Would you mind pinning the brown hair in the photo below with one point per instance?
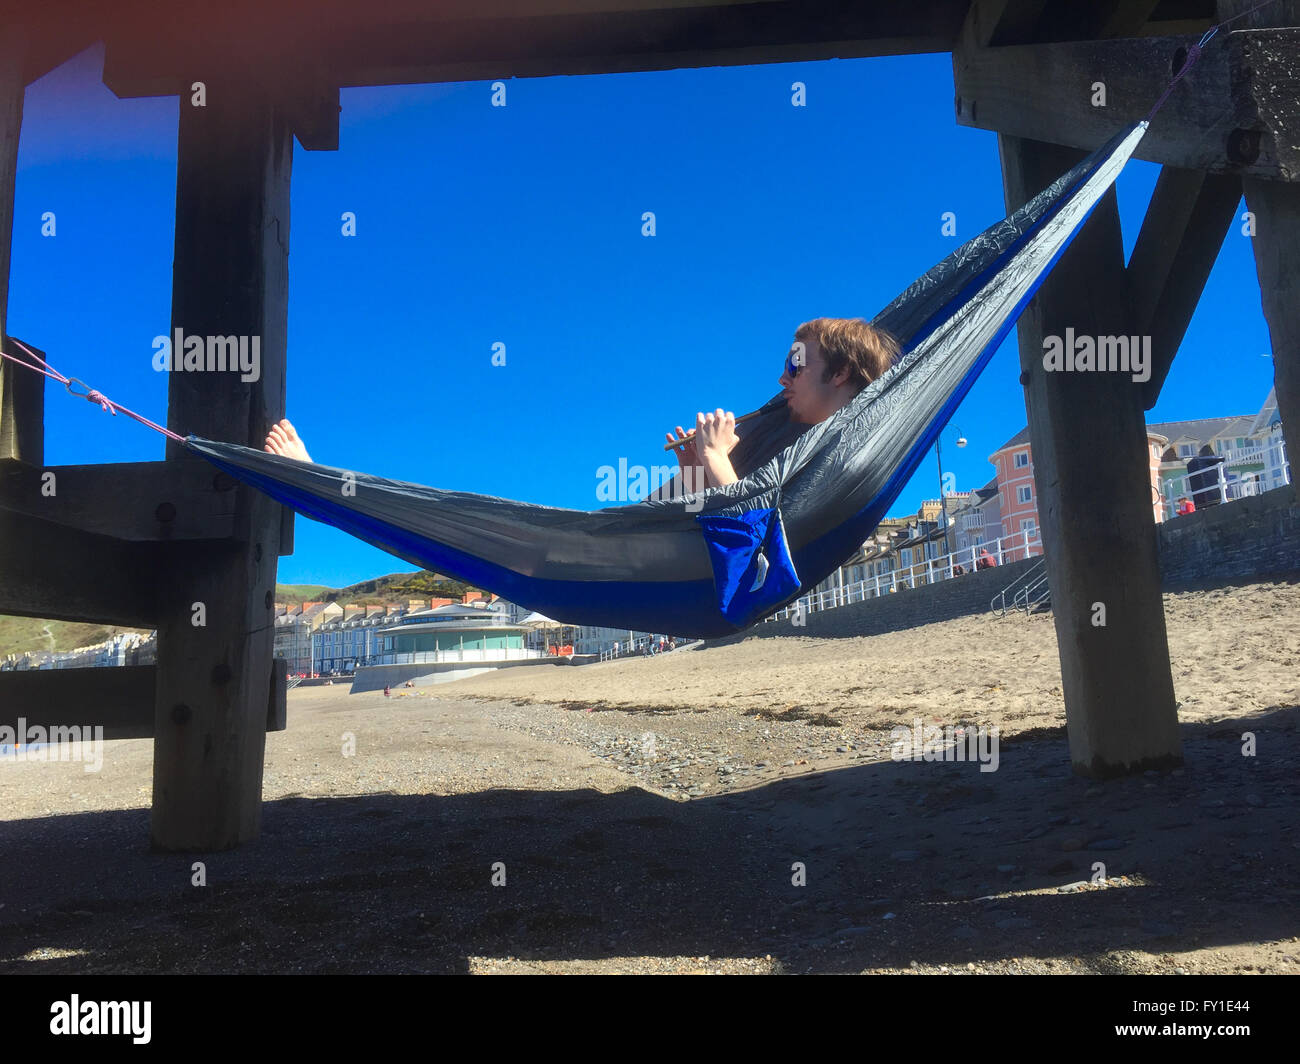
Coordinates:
(852, 343)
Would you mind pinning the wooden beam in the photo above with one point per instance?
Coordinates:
(1045, 92)
(997, 23)
(277, 709)
(182, 499)
(55, 35)
(118, 699)
(22, 392)
(1275, 214)
(1264, 66)
(230, 278)
(50, 570)
(1098, 19)
(422, 43)
(1122, 18)
(22, 401)
(313, 111)
(1184, 226)
(1092, 478)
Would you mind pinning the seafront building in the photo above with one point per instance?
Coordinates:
(125, 648)
(1002, 516)
(329, 638)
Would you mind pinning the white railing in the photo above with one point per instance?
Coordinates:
(424, 657)
(1275, 474)
(946, 567)
(643, 645)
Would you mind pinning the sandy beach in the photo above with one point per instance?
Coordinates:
(731, 808)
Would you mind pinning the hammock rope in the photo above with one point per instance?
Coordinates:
(90, 393)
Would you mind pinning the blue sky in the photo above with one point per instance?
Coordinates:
(522, 225)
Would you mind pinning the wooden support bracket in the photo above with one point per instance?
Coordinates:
(119, 699)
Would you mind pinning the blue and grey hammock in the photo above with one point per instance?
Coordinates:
(716, 562)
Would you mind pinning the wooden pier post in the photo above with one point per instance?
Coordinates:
(22, 392)
(1092, 477)
(230, 280)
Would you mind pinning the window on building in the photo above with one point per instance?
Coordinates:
(1021, 459)
(1024, 493)
(1029, 526)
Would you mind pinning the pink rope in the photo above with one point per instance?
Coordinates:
(90, 393)
(1194, 53)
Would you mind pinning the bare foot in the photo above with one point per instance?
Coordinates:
(283, 439)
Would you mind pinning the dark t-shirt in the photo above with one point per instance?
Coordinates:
(1203, 479)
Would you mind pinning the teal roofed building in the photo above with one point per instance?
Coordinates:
(476, 633)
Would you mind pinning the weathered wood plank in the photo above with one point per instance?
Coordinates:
(230, 278)
(1045, 92)
(1091, 475)
(1189, 215)
(119, 699)
(50, 570)
(181, 499)
(22, 392)
(998, 23)
(427, 43)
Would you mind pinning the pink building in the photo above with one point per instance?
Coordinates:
(1018, 494)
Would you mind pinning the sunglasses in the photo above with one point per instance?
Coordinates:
(792, 368)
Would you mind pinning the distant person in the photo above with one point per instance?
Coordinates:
(387, 691)
(1186, 506)
(1203, 473)
(986, 560)
(830, 361)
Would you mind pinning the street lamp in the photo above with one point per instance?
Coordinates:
(938, 453)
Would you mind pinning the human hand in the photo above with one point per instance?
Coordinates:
(716, 433)
(283, 440)
(687, 453)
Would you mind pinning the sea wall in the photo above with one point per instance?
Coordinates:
(1255, 536)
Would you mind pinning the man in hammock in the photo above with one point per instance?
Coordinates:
(830, 361)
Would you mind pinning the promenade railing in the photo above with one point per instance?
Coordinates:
(1024, 544)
